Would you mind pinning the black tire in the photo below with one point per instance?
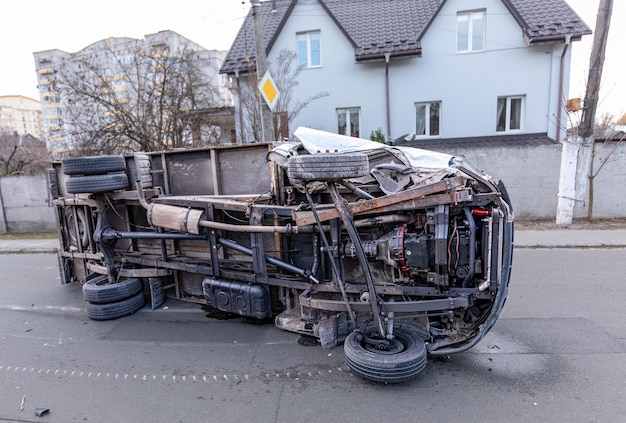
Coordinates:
(143, 167)
(99, 291)
(117, 309)
(387, 367)
(93, 165)
(96, 183)
(327, 166)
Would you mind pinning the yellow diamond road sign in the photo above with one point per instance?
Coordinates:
(268, 90)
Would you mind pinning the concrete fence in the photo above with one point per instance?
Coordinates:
(24, 205)
(530, 174)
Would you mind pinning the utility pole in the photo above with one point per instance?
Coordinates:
(571, 161)
(267, 126)
(596, 63)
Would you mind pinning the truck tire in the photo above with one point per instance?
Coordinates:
(327, 166)
(96, 183)
(387, 366)
(93, 165)
(143, 168)
(99, 291)
(116, 309)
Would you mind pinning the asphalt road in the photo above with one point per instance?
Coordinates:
(557, 354)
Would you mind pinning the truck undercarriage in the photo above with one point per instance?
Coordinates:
(395, 252)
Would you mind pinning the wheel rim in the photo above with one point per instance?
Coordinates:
(397, 346)
(77, 218)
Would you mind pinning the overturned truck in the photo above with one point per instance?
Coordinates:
(393, 251)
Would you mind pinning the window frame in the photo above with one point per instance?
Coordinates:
(309, 58)
(470, 30)
(348, 112)
(427, 119)
(507, 109)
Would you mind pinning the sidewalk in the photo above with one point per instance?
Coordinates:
(28, 246)
(524, 238)
(570, 238)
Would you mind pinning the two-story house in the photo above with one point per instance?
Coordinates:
(442, 69)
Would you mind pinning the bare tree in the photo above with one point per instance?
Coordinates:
(129, 99)
(22, 155)
(285, 74)
(601, 155)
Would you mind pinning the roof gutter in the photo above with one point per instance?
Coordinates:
(379, 57)
(552, 39)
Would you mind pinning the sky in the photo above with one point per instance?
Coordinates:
(70, 25)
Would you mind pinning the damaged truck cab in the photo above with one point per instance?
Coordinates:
(393, 251)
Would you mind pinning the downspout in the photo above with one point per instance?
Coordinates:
(559, 111)
(387, 108)
(239, 112)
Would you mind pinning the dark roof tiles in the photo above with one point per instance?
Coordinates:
(377, 28)
(517, 140)
(543, 20)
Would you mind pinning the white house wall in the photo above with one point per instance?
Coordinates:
(348, 84)
(468, 85)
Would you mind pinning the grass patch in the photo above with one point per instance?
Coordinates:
(30, 235)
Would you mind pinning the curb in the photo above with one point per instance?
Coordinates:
(29, 246)
(569, 246)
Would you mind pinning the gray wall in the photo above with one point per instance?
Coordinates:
(609, 184)
(24, 205)
(531, 177)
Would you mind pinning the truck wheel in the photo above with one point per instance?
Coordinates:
(99, 291)
(404, 363)
(116, 309)
(96, 183)
(327, 166)
(93, 165)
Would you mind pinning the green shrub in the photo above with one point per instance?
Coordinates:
(378, 136)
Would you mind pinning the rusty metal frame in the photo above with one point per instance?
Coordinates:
(403, 200)
(307, 299)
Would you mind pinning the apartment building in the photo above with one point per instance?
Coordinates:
(21, 115)
(112, 60)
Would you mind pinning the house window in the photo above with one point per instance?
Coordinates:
(510, 113)
(427, 119)
(470, 31)
(309, 49)
(348, 122)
